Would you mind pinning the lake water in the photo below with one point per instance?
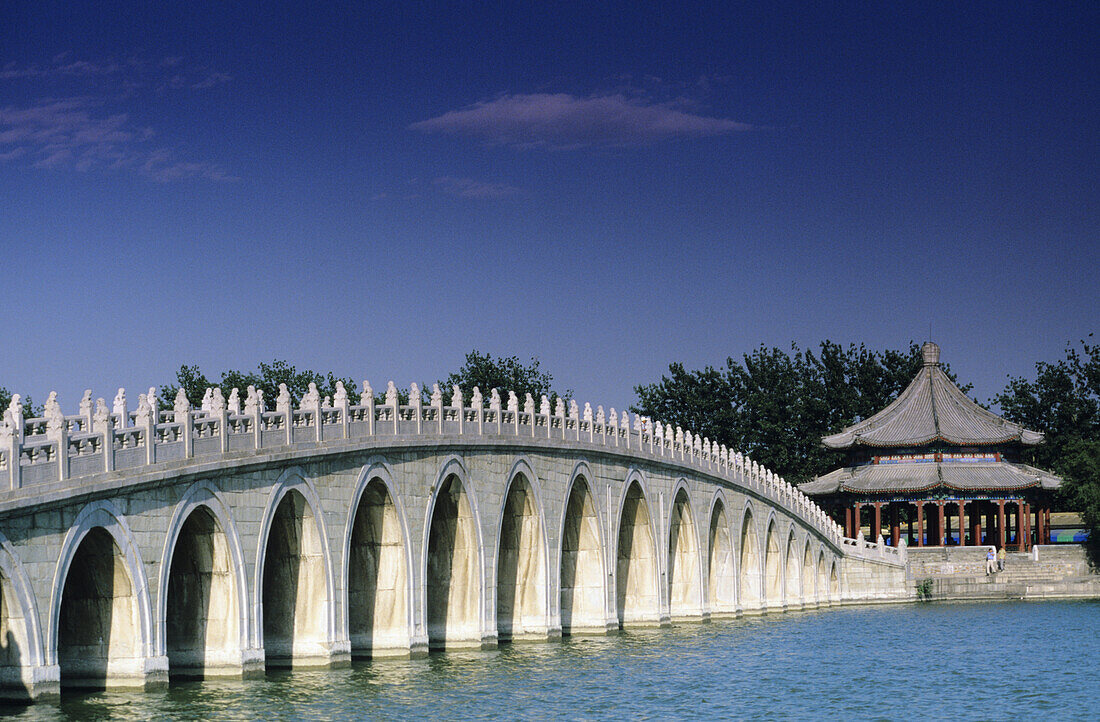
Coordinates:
(889, 662)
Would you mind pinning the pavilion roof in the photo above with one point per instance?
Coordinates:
(932, 408)
(917, 476)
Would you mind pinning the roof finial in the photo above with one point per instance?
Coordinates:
(931, 354)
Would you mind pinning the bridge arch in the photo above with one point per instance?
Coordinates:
(583, 580)
(773, 565)
(822, 578)
(99, 635)
(294, 601)
(199, 644)
(20, 630)
(721, 559)
(809, 587)
(750, 587)
(792, 585)
(453, 567)
(523, 588)
(637, 571)
(685, 574)
(376, 573)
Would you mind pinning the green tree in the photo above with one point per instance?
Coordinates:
(267, 378)
(1063, 401)
(506, 374)
(29, 409)
(776, 405)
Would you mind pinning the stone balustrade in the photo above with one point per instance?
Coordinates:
(58, 447)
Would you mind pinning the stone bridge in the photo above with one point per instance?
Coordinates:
(135, 545)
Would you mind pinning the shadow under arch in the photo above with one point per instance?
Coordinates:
(21, 658)
(685, 594)
(809, 586)
(100, 630)
(583, 568)
(377, 567)
(637, 572)
(522, 581)
(721, 561)
(452, 562)
(752, 572)
(792, 583)
(822, 578)
(202, 591)
(773, 566)
(293, 577)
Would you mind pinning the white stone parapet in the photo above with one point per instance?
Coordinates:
(59, 447)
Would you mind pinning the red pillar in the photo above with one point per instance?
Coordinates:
(962, 523)
(1000, 523)
(895, 526)
(940, 531)
(876, 522)
(1020, 516)
(976, 524)
(848, 522)
(1027, 526)
(1039, 525)
(856, 508)
(920, 523)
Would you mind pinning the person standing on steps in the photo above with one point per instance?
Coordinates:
(1001, 559)
(990, 562)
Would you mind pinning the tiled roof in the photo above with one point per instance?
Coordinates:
(923, 476)
(932, 408)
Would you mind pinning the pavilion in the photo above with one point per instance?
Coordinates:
(946, 464)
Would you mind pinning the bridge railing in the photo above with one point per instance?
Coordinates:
(57, 447)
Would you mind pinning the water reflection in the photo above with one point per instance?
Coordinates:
(961, 660)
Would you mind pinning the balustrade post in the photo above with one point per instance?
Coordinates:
(343, 409)
(108, 447)
(187, 431)
(150, 438)
(13, 449)
(288, 416)
(257, 428)
(223, 429)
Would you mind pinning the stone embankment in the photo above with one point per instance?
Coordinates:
(1047, 572)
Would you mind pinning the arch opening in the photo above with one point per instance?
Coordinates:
(295, 600)
(378, 580)
(791, 574)
(521, 567)
(683, 561)
(98, 635)
(582, 581)
(834, 583)
(773, 574)
(202, 619)
(722, 572)
(636, 590)
(809, 579)
(454, 574)
(14, 644)
(750, 565)
(822, 578)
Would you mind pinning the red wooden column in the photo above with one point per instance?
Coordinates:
(1027, 526)
(1000, 523)
(976, 524)
(848, 522)
(962, 523)
(876, 519)
(1020, 516)
(920, 523)
(895, 526)
(940, 531)
(1039, 525)
(856, 521)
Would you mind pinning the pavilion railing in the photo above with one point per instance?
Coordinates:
(58, 447)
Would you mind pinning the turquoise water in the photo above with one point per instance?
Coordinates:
(892, 662)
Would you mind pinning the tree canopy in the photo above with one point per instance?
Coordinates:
(1063, 401)
(776, 405)
(266, 378)
(505, 373)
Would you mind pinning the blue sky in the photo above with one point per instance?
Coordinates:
(377, 189)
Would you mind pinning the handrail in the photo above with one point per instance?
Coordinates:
(57, 447)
